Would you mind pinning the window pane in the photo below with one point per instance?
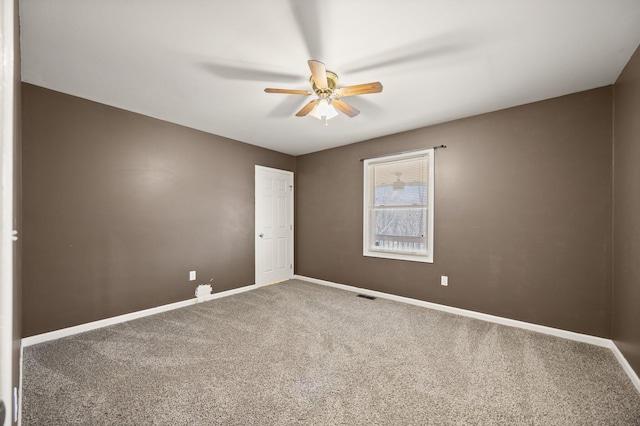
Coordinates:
(402, 230)
(401, 183)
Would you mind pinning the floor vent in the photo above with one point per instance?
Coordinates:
(364, 296)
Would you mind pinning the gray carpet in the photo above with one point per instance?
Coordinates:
(299, 353)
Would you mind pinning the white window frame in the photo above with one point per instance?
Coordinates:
(368, 207)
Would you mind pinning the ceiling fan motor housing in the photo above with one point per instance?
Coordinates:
(332, 83)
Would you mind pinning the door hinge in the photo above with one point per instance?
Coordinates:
(291, 266)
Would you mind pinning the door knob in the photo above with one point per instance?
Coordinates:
(261, 235)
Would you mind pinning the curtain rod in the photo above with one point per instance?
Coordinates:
(403, 152)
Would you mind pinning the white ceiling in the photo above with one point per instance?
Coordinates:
(204, 64)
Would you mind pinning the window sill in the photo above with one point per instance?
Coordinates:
(399, 256)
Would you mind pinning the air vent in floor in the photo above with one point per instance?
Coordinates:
(364, 296)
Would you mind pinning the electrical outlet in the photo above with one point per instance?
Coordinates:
(192, 275)
(444, 280)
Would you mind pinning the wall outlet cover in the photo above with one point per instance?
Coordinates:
(444, 280)
(192, 275)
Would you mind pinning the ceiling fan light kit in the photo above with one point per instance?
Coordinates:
(323, 109)
(325, 85)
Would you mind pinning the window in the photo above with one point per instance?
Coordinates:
(398, 206)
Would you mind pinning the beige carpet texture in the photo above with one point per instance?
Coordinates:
(297, 353)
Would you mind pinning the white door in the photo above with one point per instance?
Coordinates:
(274, 225)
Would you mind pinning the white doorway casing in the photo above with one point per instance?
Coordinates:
(8, 393)
(273, 225)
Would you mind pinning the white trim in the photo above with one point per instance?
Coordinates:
(20, 387)
(625, 366)
(597, 341)
(570, 335)
(368, 195)
(585, 338)
(7, 141)
(70, 331)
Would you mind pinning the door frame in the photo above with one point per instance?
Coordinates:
(7, 237)
(256, 222)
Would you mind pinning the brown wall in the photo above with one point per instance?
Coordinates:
(119, 207)
(522, 214)
(626, 218)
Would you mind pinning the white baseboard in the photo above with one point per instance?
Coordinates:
(625, 366)
(570, 335)
(598, 341)
(585, 338)
(69, 331)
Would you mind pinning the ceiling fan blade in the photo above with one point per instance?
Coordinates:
(359, 89)
(288, 91)
(307, 108)
(344, 107)
(318, 73)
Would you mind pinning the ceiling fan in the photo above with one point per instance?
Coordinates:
(324, 84)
